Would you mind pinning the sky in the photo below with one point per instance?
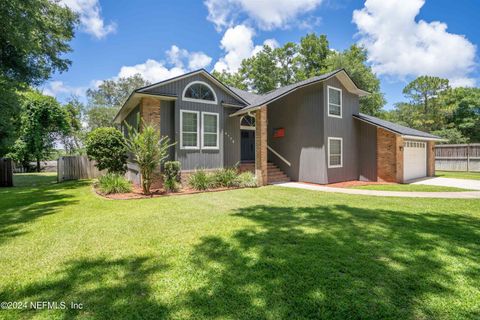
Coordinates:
(162, 39)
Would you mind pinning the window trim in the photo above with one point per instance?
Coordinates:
(341, 152)
(182, 147)
(217, 147)
(199, 100)
(328, 102)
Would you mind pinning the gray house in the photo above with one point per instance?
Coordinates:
(309, 131)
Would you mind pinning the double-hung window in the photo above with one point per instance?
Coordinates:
(190, 127)
(209, 130)
(335, 152)
(334, 102)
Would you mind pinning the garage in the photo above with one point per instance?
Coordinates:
(414, 160)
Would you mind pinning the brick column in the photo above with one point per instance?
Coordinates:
(431, 158)
(399, 158)
(150, 112)
(261, 146)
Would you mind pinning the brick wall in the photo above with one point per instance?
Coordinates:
(150, 113)
(261, 146)
(386, 156)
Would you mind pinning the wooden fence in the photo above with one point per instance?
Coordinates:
(75, 168)
(6, 172)
(457, 157)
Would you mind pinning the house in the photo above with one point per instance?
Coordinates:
(310, 131)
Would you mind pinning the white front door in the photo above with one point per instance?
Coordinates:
(414, 160)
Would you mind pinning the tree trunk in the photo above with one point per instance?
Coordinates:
(38, 164)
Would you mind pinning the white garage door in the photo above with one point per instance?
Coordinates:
(414, 160)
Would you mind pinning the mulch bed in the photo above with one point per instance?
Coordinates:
(155, 193)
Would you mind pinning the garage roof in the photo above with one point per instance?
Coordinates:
(402, 130)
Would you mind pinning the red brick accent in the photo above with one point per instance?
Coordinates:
(261, 146)
(150, 113)
(389, 156)
(430, 158)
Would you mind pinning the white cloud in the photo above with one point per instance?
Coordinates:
(58, 88)
(238, 44)
(179, 60)
(195, 60)
(91, 20)
(267, 14)
(399, 46)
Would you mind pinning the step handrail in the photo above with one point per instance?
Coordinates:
(278, 155)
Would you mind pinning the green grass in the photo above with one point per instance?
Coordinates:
(266, 253)
(458, 174)
(409, 188)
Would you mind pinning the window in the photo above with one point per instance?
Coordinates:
(335, 150)
(209, 130)
(334, 102)
(198, 91)
(189, 127)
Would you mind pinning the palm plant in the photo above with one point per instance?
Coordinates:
(149, 150)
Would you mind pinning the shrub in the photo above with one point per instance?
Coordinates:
(225, 178)
(171, 176)
(149, 150)
(200, 180)
(246, 180)
(107, 147)
(114, 183)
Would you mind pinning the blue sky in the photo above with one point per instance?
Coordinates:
(404, 38)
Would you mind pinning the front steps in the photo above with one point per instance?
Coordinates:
(274, 174)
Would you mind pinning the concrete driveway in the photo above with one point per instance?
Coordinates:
(449, 182)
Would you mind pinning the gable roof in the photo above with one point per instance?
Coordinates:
(204, 72)
(257, 100)
(396, 128)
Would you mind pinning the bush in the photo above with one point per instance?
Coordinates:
(114, 183)
(171, 176)
(107, 147)
(200, 180)
(246, 180)
(225, 178)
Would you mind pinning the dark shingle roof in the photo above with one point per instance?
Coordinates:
(394, 127)
(256, 100)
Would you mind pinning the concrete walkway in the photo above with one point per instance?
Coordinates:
(469, 184)
(379, 193)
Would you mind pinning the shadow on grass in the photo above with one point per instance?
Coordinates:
(106, 288)
(20, 206)
(336, 262)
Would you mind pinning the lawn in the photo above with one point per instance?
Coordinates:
(266, 253)
(458, 174)
(409, 188)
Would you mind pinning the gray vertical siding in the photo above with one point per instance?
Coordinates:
(348, 129)
(131, 119)
(208, 159)
(301, 115)
(231, 138)
(167, 112)
(367, 152)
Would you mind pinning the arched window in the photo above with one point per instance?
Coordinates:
(247, 122)
(198, 90)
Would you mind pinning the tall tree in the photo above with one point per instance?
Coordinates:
(313, 54)
(104, 101)
(423, 92)
(74, 110)
(34, 36)
(43, 120)
(260, 71)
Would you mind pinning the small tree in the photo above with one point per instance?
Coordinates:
(149, 150)
(107, 147)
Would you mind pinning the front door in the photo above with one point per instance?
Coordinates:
(247, 150)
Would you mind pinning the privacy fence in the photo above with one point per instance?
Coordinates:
(75, 168)
(457, 157)
(6, 172)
